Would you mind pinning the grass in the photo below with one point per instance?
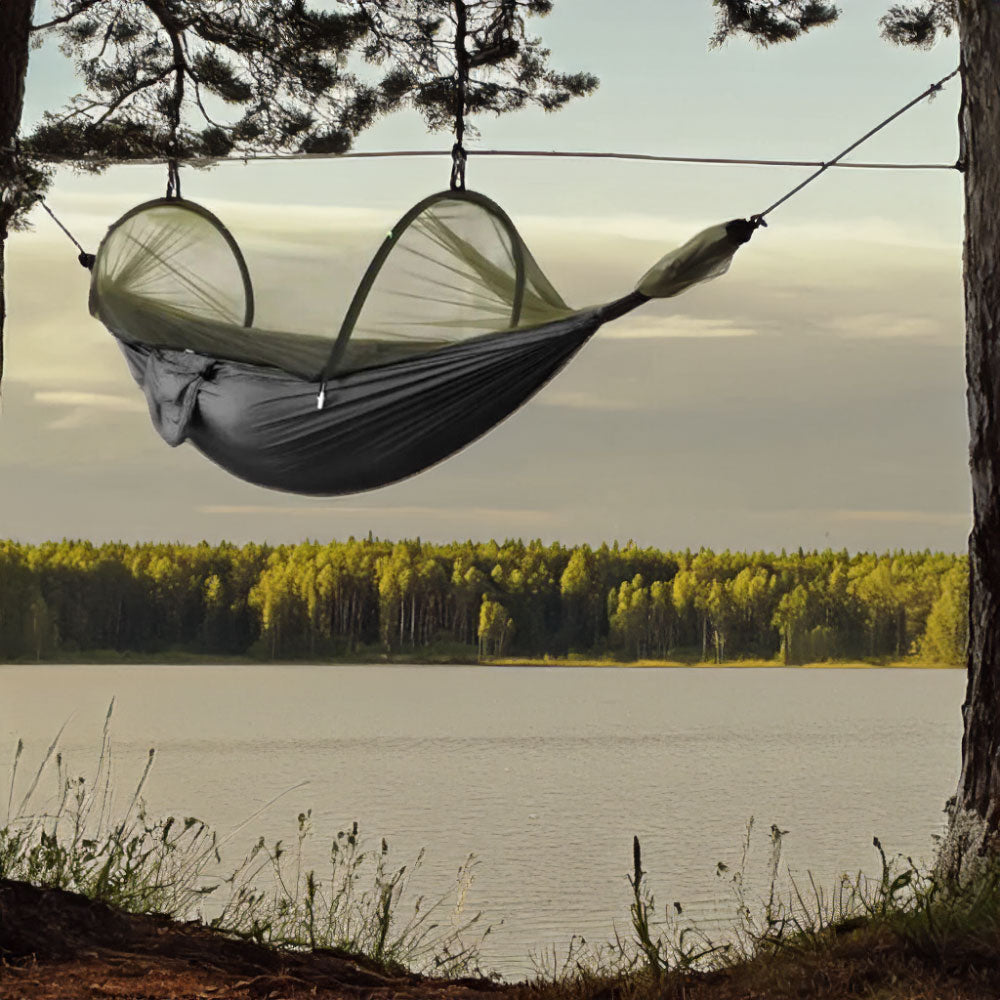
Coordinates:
(909, 933)
(361, 905)
(588, 661)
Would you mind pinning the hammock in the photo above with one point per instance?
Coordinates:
(453, 327)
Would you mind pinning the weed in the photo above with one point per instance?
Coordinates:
(146, 865)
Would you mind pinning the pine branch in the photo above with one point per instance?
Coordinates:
(81, 7)
(768, 22)
(433, 47)
(277, 63)
(919, 26)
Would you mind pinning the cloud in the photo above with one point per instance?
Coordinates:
(90, 400)
(600, 402)
(91, 214)
(85, 408)
(938, 518)
(883, 324)
(650, 327)
(667, 231)
(450, 514)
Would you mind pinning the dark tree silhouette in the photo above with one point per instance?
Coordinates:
(450, 59)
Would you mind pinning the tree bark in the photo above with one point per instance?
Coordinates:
(15, 28)
(978, 794)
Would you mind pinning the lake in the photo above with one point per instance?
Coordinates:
(545, 774)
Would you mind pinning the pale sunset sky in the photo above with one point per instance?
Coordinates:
(813, 396)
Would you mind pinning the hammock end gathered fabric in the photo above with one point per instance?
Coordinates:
(87, 260)
(741, 231)
(704, 257)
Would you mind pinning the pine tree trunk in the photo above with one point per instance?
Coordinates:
(978, 795)
(3, 285)
(15, 25)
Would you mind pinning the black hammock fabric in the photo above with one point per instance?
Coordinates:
(453, 328)
(377, 425)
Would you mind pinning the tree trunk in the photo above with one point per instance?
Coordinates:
(978, 797)
(3, 283)
(15, 25)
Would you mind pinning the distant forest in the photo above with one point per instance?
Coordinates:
(478, 599)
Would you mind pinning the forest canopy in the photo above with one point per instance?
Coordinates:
(323, 600)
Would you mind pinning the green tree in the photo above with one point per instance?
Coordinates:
(722, 615)
(395, 581)
(752, 593)
(495, 628)
(661, 618)
(629, 617)
(790, 618)
(312, 599)
(947, 636)
(581, 588)
(877, 590)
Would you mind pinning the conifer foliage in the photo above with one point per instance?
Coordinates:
(451, 58)
(770, 21)
(186, 78)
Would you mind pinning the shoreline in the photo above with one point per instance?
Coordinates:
(105, 658)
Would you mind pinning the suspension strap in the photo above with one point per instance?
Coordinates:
(459, 157)
(173, 179)
(85, 259)
(759, 219)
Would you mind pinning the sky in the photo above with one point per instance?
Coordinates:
(813, 396)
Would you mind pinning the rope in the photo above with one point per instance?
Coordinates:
(210, 161)
(86, 259)
(460, 155)
(932, 89)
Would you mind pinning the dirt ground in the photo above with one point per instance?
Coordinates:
(55, 945)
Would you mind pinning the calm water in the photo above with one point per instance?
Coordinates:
(544, 774)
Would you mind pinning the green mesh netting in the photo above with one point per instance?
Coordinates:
(168, 274)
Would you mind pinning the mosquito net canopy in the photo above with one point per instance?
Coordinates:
(169, 274)
(344, 382)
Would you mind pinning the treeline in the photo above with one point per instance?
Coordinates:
(515, 598)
